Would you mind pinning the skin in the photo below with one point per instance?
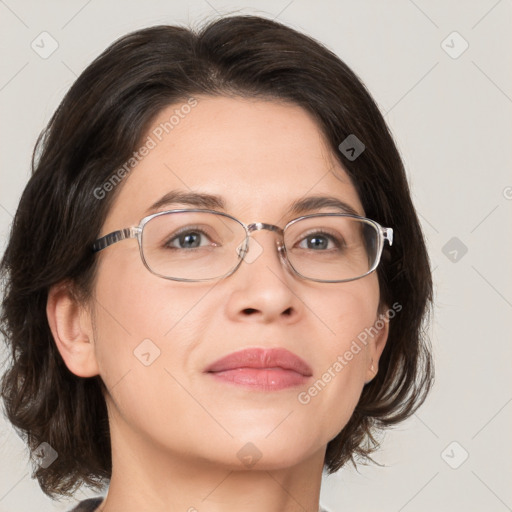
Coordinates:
(175, 431)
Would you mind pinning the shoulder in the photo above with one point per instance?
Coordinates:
(89, 505)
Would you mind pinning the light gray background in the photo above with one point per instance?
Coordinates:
(451, 118)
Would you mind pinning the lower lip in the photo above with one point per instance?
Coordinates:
(267, 379)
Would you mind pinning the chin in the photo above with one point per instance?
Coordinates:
(273, 452)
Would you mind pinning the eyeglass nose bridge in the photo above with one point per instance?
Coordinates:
(257, 226)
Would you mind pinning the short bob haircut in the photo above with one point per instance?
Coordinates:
(99, 124)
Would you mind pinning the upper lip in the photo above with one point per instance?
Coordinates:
(262, 358)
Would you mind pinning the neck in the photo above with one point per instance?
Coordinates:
(149, 477)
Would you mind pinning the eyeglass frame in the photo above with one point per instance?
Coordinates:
(384, 233)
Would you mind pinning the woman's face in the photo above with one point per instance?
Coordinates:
(155, 338)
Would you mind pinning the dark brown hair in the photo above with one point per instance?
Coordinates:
(95, 130)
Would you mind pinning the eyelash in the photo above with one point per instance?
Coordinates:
(190, 229)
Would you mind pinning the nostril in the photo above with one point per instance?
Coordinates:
(250, 311)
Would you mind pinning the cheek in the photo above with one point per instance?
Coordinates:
(138, 317)
(141, 338)
(134, 304)
(350, 314)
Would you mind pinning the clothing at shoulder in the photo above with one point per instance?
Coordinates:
(89, 505)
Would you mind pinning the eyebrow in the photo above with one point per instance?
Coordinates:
(216, 202)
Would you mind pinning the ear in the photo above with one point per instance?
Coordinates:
(376, 345)
(71, 326)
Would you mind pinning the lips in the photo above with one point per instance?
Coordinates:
(263, 359)
(266, 369)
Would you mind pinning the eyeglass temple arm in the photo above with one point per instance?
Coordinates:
(387, 233)
(114, 237)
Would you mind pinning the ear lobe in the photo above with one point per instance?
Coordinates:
(71, 327)
(376, 346)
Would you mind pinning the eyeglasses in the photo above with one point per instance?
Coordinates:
(201, 245)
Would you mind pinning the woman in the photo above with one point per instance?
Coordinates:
(216, 281)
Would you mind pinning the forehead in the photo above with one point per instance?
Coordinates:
(260, 156)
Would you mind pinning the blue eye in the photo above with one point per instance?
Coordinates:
(187, 239)
(320, 241)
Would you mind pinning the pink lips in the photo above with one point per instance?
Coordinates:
(265, 369)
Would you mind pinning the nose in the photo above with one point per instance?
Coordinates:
(264, 288)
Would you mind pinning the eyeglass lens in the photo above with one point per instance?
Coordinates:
(203, 245)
